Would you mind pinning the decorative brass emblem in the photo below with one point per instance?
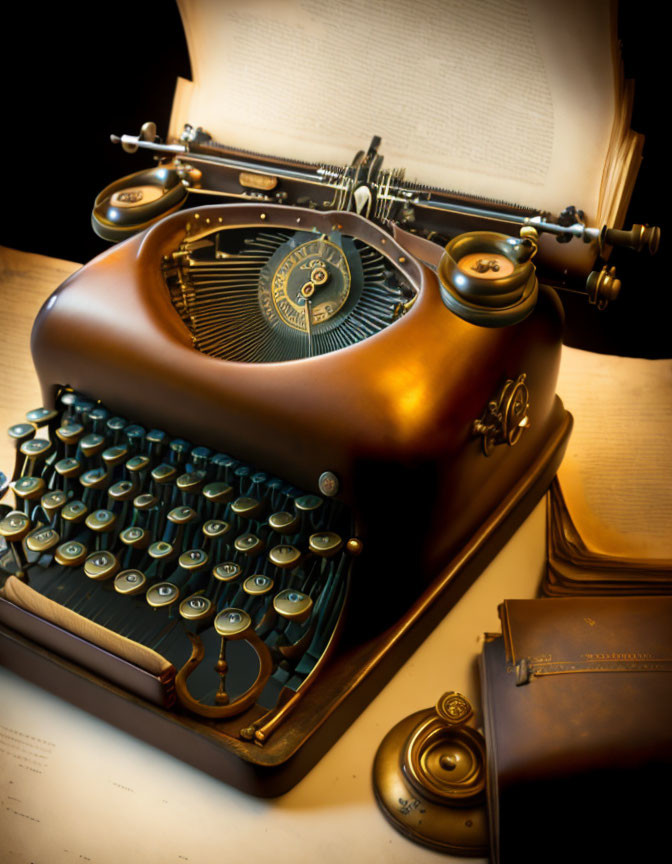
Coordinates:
(131, 197)
(505, 418)
(453, 708)
(483, 265)
(322, 263)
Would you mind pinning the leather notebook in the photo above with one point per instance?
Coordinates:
(577, 698)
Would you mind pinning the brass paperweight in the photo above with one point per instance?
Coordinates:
(429, 778)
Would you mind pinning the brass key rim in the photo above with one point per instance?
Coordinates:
(162, 594)
(257, 585)
(130, 582)
(42, 539)
(14, 526)
(100, 565)
(29, 487)
(72, 553)
(197, 607)
(293, 605)
(227, 571)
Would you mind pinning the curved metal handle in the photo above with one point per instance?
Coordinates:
(218, 712)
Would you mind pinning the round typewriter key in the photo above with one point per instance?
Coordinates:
(71, 554)
(138, 463)
(284, 523)
(194, 559)
(284, 556)
(218, 492)
(14, 526)
(249, 544)
(92, 444)
(156, 439)
(53, 501)
(99, 415)
(82, 407)
(124, 490)
(29, 488)
(216, 528)
(227, 572)
(328, 483)
(196, 608)
(68, 468)
(182, 515)
(67, 399)
(130, 582)
(156, 436)
(247, 507)
(20, 432)
(242, 471)
(191, 482)
(326, 543)
(114, 455)
(36, 447)
(134, 433)
(223, 461)
(199, 456)
(293, 605)
(116, 424)
(257, 585)
(145, 501)
(75, 511)
(232, 622)
(137, 538)
(96, 478)
(160, 550)
(70, 434)
(41, 540)
(41, 416)
(100, 566)
(308, 503)
(101, 521)
(164, 473)
(179, 446)
(162, 594)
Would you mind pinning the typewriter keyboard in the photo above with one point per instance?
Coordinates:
(234, 576)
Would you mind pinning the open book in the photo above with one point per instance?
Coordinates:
(610, 513)
(517, 100)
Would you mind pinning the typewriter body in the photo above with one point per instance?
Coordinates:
(354, 484)
(278, 443)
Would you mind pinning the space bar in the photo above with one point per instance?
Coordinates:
(145, 659)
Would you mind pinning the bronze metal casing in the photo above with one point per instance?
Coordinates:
(391, 416)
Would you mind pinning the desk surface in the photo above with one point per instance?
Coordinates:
(74, 789)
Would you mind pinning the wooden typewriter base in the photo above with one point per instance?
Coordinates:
(352, 680)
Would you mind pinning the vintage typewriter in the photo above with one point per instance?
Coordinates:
(279, 439)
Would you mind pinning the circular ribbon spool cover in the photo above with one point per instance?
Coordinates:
(488, 278)
(429, 779)
(134, 202)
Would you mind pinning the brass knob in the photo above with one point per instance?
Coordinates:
(429, 778)
(603, 286)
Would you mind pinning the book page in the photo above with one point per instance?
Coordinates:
(510, 99)
(616, 473)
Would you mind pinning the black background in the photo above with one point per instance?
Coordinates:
(75, 77)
